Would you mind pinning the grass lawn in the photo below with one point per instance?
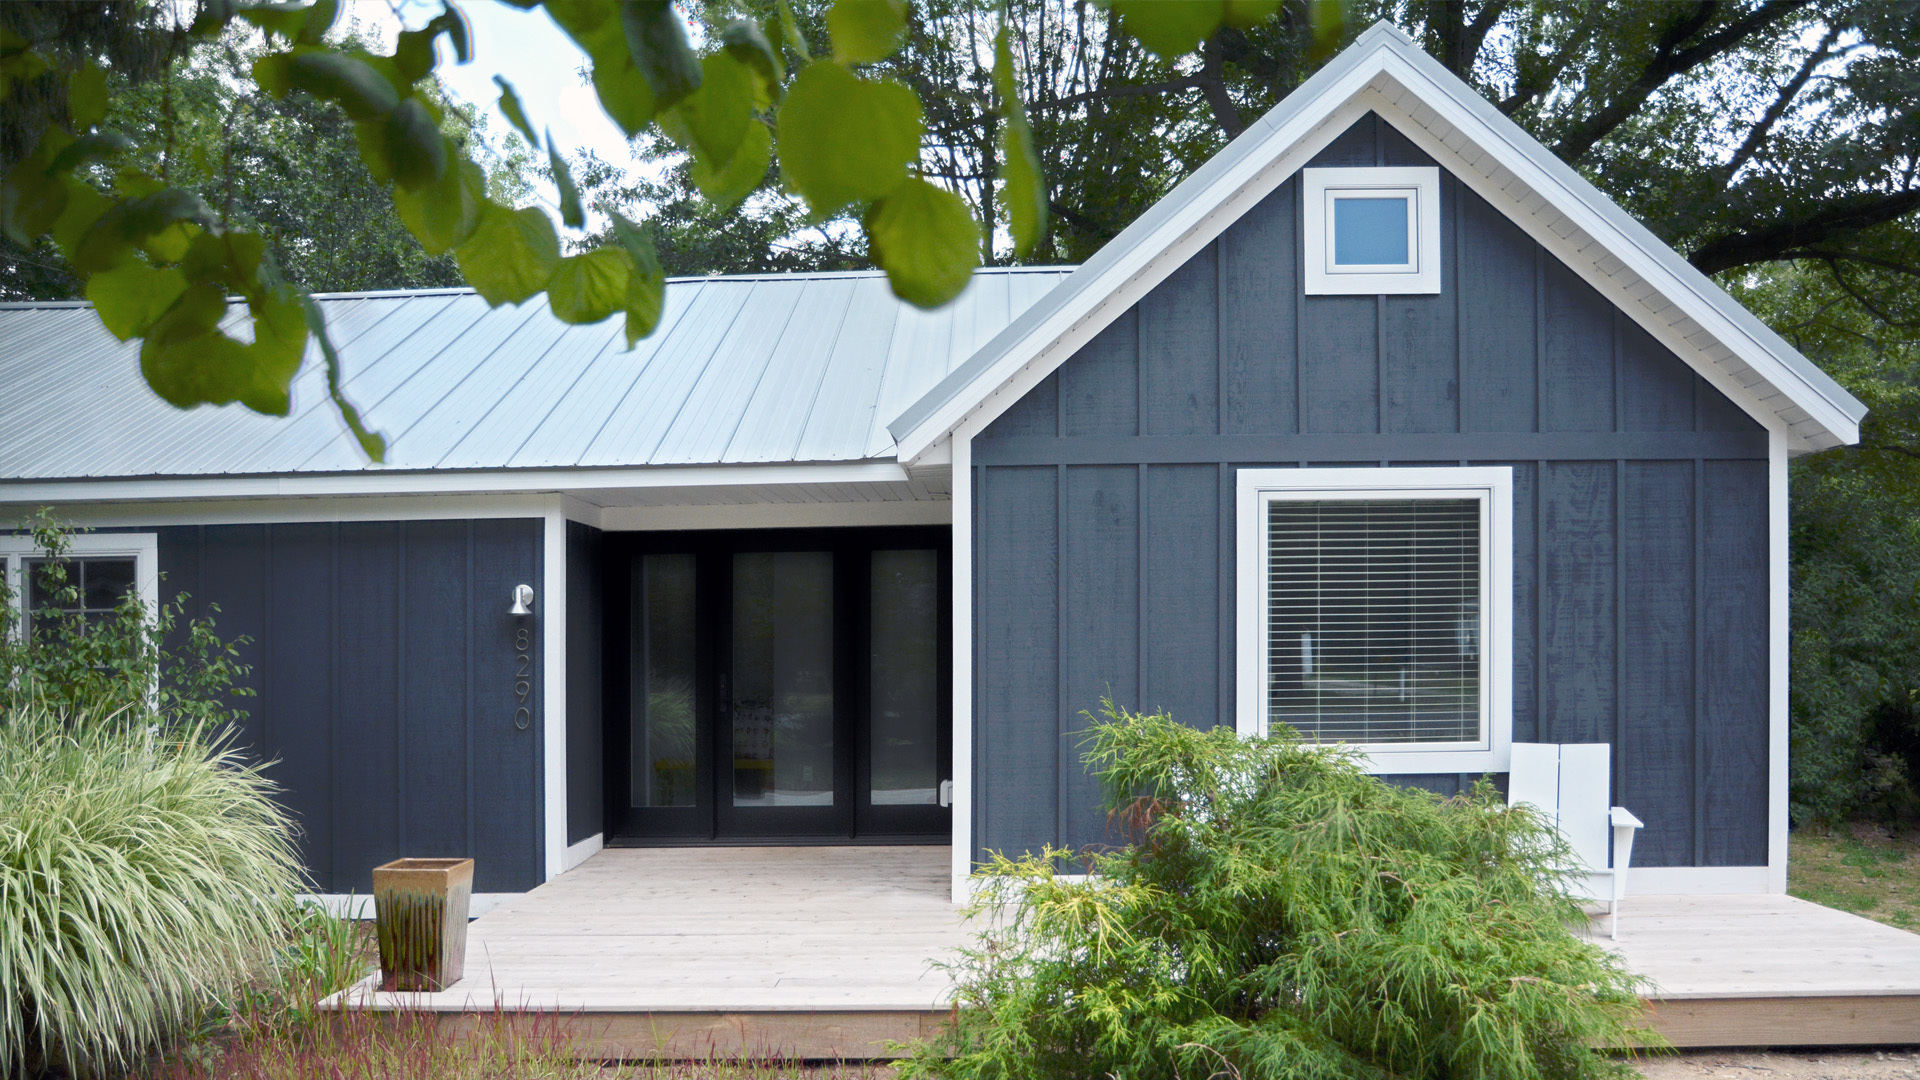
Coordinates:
(1861, 868)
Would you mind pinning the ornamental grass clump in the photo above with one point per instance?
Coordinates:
(1281, 913)
(145, 873)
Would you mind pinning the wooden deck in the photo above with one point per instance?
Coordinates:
(829, 952)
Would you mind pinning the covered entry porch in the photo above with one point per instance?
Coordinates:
(825, 952)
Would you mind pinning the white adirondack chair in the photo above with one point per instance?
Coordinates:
(1570, 783)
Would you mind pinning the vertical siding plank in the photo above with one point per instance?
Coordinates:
(1733, 731)
(1358, 145)
(298, 712)
(1017, 685)
(1576, 602)
(585, 683)
(1526, 602)
(434, 775)
(1656, 387)
(505, 773)
(1579, 354)
(1035, 414)
(1181, 593)
(1178, 341)
(367, 641)
(1653, 763)
(1338, 364)
(1099, 388)
(1496, 319)
(1100, 647)
(1258, 297)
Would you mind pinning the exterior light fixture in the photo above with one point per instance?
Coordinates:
(522, 600)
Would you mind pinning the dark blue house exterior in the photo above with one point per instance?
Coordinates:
(1384, 425)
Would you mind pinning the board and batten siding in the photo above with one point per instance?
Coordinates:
(385, 666)
(1103, 523)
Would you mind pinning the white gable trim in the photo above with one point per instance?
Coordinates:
(1385, 72)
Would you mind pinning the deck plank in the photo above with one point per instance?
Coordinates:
(823, 952)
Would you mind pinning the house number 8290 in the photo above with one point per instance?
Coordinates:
(522, 679)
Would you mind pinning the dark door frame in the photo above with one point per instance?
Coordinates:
(712, 819)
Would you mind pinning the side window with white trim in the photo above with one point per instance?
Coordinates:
(98, 572)
(1374, 606)
(1373, 230)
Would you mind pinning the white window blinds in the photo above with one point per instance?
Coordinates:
(1373, 619)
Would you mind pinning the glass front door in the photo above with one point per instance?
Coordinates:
(787, 685)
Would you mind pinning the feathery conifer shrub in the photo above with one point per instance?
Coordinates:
(1281, 913)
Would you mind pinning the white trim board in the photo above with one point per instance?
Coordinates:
(819, 515)
(453, 481)
(550, 608)
(962, 667)
(289, 511)
(582, 851)
(1385, 72)
(1779, 661)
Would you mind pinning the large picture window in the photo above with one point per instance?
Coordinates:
(1374, 611)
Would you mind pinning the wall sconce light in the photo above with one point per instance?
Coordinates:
(522, 600)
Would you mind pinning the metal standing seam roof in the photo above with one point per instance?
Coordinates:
(742, 370)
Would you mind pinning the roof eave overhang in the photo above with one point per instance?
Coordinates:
(1385, 72)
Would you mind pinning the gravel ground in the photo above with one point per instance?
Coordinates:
(1891, 1064)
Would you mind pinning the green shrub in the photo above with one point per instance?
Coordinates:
(1283, 914)
(144, 872)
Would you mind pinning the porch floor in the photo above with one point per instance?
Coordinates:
(825, 952)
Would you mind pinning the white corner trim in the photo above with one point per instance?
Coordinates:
(550, 608)
(582, 851)
(963, 629)
(1418, 185)
(360, 905)
(1493, 487)
(1779, 660)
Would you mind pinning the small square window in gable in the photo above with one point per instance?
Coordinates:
(1372, 230)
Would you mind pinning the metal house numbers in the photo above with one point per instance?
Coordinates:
(522, 678)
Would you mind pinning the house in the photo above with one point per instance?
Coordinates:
(1385, 424)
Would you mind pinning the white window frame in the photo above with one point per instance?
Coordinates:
(142, 547)
(1493, 487)
(1419, 185)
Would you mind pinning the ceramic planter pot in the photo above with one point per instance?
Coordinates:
(420, 915)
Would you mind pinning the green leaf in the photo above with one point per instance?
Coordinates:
(129, 297)
(286, 20)
(747, 43)
(279, 346)
(89, 148)
(30, 200)
(352, 82)
(1246, 14)
(84, 207)
(414, 146)
(1023, 189)
(516, 115)
(87, 95)
(135, 221)
(926, 240)
(790, 32)
(646, 284)
(569, 191)
(371, 443)
(658, 42)
(443, 214)
(589, 286)
(623, 90)
(866, 30)
(1170, 28)
(844, 139)
(320, 19)
(188, 361)
(714, 118)
(510, 255)
(726, 187)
